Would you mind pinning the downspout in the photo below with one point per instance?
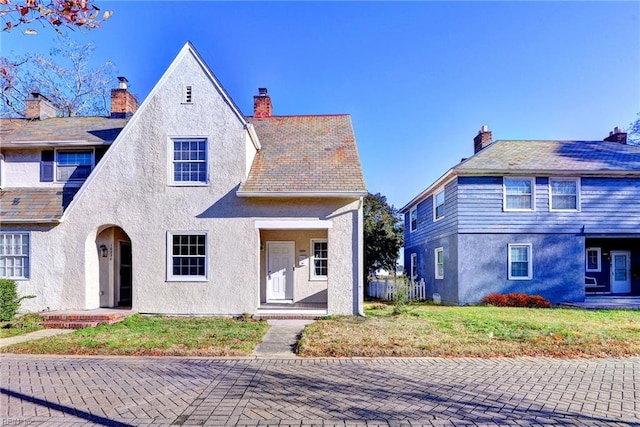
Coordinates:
(360, 258)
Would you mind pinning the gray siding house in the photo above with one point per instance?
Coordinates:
(555, 218)
(183, 205)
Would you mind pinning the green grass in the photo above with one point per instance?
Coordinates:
(439, 331)
(156, 336)
(24, 324)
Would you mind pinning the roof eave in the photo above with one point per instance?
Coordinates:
(31, 221)
(35, 144)
(448, 176)
(546, 172)
(305, 194)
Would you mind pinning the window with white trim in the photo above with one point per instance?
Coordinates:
(413, 219)
(439, 263)
(189, 161)
(73, 165)
(593, 260)
(186, 256)
(438, 205)
(519, 194)
(564, 194)
(414, 266)
(14, 255)
(320, 269)
(520, 264)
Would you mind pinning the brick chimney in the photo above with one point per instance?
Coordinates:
(616, 135)
(123, 103)
(262, 108)
(39, 107)
(482, 139)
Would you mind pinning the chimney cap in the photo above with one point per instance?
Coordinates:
(38, 95)
(262, 91)
(484, 129)
(123, 82)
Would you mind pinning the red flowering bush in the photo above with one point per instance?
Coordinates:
(516, 300)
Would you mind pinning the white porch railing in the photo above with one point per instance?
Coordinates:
(387, 289)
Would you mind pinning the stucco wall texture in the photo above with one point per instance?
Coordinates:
(558, 266)
(130, 189)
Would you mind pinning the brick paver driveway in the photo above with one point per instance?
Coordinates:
(47, 390)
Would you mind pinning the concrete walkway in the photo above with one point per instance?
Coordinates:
(280, 341)
(43, 333)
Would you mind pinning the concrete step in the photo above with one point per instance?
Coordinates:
(292, 316)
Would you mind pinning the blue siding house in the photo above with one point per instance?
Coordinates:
(555, 218)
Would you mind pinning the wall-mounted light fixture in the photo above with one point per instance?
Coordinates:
(104, 251)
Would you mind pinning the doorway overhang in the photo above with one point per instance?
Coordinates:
(294, 224)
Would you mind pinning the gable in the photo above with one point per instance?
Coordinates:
(141, 155)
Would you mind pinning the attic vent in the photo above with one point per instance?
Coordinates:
(187, 99)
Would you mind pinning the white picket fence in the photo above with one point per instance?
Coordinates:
(385, 289)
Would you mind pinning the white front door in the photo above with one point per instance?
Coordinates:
(620, 272)
(280, 264)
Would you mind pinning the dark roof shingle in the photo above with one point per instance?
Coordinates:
(34, 204)
(93, 130)
(305, 154)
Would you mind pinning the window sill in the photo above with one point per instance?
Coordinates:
(190, 279)
(188, 184)
(318, 279)
(520, 278)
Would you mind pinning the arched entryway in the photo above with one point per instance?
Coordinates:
(115, 263)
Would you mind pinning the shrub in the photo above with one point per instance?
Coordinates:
(516, 300)
(9, 299)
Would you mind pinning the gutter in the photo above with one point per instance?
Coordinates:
(307, 194)
(32, 221)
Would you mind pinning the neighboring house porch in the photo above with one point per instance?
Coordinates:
(612, 265)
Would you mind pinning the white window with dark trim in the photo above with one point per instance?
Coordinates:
(14, 255)
(187, 256)
(520, 264)
(519, 194)
(593, 260)
(564, 194)
(73, 165)
(438, 205)
(320, 264)
(414, 266)
(188, 161)
(413, 219)
(439, 263)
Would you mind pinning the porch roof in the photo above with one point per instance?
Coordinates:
(34, 205)
(60, 131)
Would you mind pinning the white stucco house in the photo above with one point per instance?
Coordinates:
(183, 205)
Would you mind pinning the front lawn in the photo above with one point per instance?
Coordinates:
(439, 331)
(156, 336)
(24, 324)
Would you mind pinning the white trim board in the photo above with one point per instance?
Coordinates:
(294, 224)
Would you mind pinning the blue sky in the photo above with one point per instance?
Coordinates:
(418, 78)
